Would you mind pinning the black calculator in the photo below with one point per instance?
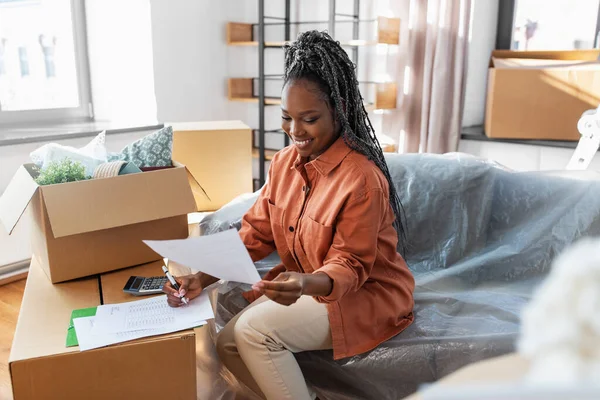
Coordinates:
(140, 286)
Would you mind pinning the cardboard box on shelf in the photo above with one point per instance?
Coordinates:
(540, 94)
(89, 227)
(218, 155)
(41, 367)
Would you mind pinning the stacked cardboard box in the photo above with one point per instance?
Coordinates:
(83, 230)
(42, 367)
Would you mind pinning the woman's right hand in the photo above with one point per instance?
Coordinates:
(190, 287)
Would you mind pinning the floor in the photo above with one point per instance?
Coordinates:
(10, 303)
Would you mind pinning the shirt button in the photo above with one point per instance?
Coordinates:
(291, 229)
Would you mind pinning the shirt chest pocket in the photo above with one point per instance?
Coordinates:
(276, 215)
(316, 239)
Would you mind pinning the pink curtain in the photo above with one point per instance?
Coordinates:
(430, 71)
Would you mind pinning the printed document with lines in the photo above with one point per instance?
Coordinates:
(88, 341)
(153, 313)
(222, 255)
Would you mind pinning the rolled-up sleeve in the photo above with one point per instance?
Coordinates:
(352, 254)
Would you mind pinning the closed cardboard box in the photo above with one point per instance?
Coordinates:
(218, 155)
(41, 367)
(93, 226)
(540, 94)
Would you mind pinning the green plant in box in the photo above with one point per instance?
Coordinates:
(62, 172)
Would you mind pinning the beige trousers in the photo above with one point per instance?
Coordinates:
(257, 345)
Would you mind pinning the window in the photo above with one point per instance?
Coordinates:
(43, 61)
(548, 25)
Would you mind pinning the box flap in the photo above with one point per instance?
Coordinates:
(208, 126)
(17, 196)
(537, 63)
(97, 204)
(573, 55)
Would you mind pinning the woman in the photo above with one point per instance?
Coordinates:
(330, 210)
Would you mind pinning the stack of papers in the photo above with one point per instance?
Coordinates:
(117, 323)
(222, 255)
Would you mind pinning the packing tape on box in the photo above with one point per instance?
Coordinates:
(589, 128)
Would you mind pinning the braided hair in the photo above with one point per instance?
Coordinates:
(316, 57)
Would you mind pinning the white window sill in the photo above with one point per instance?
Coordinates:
(50, 132)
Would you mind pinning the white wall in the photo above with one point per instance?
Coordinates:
(121, 67)
(190, 59)
(482, 41)
(523, 157)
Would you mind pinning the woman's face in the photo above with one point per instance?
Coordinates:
(307, 118)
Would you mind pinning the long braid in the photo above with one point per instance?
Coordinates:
(317, 57)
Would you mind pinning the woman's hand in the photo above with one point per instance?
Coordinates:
(190, 286)
(287, 288)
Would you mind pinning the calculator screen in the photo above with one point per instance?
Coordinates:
(137, 283)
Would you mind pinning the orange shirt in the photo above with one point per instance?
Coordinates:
(332, 215)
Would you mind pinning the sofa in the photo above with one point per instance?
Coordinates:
(481, 238)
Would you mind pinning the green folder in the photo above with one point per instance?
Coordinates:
(71, 335)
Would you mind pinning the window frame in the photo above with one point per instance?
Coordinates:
(82, 113)
(506, 21)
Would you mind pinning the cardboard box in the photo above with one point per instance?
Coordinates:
(540, 94)
(218, 155)
(41, 367)
(89, 227)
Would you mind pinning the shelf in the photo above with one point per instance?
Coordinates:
(388, 32)
(268, 101)
(268, 154)
(240, 89)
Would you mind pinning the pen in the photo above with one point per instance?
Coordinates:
(173, 283)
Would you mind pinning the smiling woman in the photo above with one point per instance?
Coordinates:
(330, 211)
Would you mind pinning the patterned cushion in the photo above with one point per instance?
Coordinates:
(153, 150)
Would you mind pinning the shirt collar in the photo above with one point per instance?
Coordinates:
(330, 159)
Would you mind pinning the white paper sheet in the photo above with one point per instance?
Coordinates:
(153, 313)
(222, 255)
(84, 328)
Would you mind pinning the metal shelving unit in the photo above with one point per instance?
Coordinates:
(243, 89)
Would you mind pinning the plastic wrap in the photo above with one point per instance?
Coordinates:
(481, 238)
(90, 156)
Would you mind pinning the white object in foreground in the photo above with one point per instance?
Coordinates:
(222, 255)
(560, 328)
(153, 313)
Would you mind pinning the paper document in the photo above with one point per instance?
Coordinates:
(222, 255)
(87, 340)
(153, 313)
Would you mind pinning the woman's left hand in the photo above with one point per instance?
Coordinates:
(286, 289)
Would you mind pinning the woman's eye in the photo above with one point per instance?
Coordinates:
(286, 118)
(311, 121)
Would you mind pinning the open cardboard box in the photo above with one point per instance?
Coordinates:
(540, 94)
(42, 367)
(89, 227)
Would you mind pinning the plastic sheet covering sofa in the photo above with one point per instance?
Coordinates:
(481, 238)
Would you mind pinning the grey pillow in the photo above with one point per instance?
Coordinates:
(153, 150)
